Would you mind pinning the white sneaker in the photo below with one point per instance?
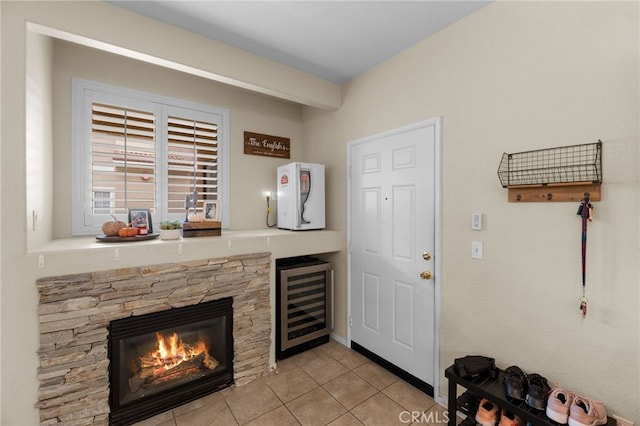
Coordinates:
(559, 404)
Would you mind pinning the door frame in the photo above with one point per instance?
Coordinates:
(437, 123)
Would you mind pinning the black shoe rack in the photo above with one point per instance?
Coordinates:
(484, 386)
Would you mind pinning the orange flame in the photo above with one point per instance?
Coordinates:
(170, 352)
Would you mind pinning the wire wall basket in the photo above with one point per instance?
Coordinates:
(576, 164)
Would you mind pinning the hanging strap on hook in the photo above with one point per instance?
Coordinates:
(585, 211)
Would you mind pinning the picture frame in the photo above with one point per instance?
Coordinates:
(141, 217)
(211, 210)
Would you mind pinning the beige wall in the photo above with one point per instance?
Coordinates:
(513, 77)
(39, 138)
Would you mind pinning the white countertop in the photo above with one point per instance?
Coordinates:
(86, 254)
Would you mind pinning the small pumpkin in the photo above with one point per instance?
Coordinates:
(111, 228)
(127, 232)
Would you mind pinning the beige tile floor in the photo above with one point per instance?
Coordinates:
(327, 385)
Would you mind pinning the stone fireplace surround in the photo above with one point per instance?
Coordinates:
(74, 313)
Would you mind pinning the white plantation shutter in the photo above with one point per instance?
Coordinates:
(123, 158)
(192, 161)
(134, 150)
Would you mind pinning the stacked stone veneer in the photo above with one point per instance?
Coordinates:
(75, 310)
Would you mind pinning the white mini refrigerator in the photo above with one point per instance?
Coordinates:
(301, 196)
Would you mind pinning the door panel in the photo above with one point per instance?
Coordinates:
(392, 222)
(403, 319)
(371, 291)
(372, 221)
(403, 232)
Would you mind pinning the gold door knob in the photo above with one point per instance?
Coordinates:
(426, 255)
(425, 275)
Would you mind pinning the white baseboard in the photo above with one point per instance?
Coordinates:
(340, 340)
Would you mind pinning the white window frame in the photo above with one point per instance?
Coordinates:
(83, 93)
(110, 191)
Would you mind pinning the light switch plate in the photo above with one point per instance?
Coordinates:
(477, 249)
(476, 221)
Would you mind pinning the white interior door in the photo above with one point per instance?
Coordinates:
(392, 243)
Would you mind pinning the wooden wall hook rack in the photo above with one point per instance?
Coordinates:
(569, 192)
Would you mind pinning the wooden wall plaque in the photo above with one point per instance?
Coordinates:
(266, 145)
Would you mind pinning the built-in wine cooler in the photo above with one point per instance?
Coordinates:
(304, 289)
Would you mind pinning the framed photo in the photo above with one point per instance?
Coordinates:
(211, 210)
(141, 217)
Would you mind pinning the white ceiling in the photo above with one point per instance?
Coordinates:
(334, 40)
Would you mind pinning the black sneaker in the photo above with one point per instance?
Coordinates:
(515, 382)
(537, 391)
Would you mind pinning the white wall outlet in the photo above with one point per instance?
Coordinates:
(477, 249)
(476, 221)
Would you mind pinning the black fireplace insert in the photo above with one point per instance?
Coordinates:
(165, 359)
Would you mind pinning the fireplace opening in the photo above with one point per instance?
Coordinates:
(165, 359)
